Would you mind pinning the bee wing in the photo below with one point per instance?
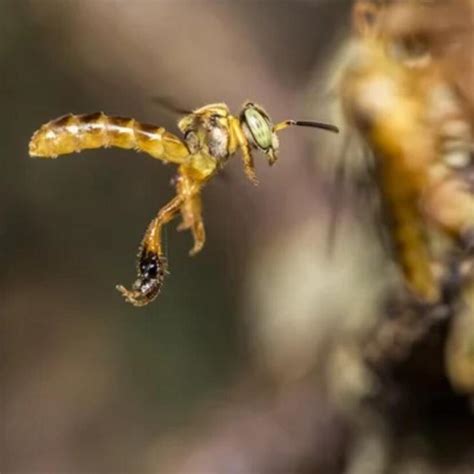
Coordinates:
(354, 182)
(338, 193)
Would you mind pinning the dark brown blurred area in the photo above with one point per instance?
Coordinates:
(248, 361)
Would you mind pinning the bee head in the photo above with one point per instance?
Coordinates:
(259, 130)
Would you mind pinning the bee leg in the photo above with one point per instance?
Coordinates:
(191, 212)
(247, 157)
(199, 235)
(249, 166)
(152, 264)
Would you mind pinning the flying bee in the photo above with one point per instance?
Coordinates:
(211, 135)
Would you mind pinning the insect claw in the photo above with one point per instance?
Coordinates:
(252, 176)
(196, 249)
(134, 297)
(272, 157)
(142, 292)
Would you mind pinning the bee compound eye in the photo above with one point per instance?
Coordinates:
(259, 127)
(412, 50)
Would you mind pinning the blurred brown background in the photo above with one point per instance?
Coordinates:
(89, 383)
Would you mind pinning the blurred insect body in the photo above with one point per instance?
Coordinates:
(211, 136)
(398, 99)
(404, 92)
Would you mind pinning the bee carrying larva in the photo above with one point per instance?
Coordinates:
(211, 136)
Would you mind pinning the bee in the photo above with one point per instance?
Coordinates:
(397, 96)
(211, 136)
(404, 92)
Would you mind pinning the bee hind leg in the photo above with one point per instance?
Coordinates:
(152, 264)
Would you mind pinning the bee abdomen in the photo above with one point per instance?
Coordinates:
(73, 133)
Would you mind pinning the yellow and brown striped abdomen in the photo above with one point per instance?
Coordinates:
(73, 133)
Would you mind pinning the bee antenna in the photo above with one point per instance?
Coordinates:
(321, 125)
(168, 104)
(304, 123)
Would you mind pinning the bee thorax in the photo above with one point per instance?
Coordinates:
(210, 137)
(218, 142)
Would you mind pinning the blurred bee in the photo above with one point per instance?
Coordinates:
(211, 136)
(398, 94)
(398, 99)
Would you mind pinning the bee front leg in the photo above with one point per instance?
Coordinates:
(152, 264)
(249, 166)
(247, 157)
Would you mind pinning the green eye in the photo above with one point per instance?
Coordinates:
(259, 128)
